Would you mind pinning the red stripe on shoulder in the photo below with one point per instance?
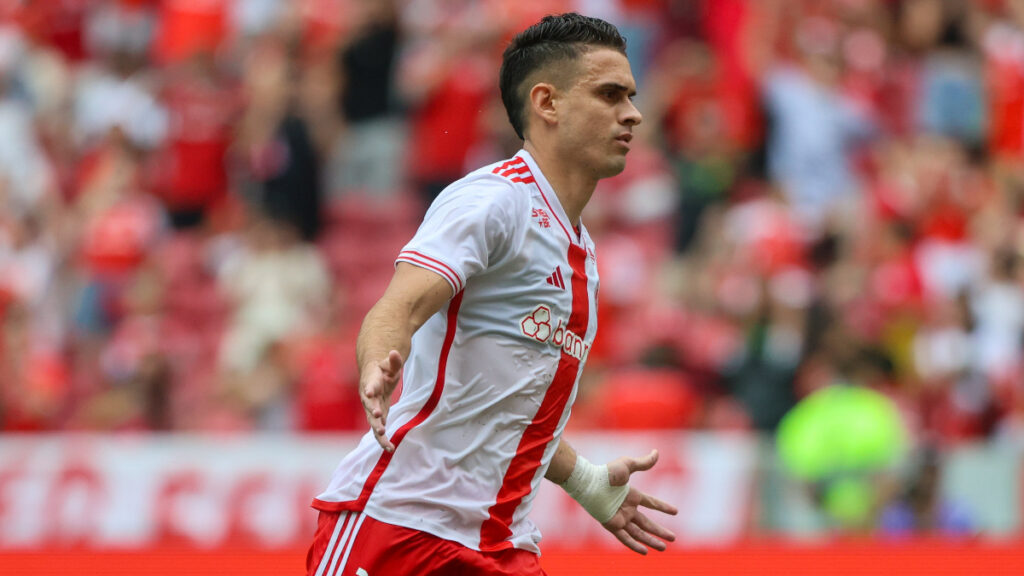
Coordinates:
(515, 170)
(522, 175)
(505, 165)
(524, 169)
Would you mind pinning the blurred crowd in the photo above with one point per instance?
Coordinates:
(199, 199)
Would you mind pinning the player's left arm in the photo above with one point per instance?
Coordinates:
(605, 493)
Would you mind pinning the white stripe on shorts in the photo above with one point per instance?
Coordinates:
(346, 538)
(348, 549)
(330, 544)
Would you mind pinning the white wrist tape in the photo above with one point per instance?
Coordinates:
(588, 484)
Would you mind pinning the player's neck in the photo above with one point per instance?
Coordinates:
(573, 188)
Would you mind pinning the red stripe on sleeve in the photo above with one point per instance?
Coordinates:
(417, 261)
(436, 263)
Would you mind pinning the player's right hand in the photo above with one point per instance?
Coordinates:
(376, 383)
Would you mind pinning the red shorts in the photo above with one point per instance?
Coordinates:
(353, 544)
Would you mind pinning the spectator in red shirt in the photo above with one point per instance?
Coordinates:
(192, 165)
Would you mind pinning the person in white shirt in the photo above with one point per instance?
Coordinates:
(487, 322)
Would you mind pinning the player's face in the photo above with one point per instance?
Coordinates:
(597, 115)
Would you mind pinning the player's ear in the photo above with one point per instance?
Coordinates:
(542, 102)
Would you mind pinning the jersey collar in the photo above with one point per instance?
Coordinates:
(551, 198)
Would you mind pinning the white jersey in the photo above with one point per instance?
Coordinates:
(490, 379)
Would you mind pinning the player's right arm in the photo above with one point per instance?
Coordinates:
(469, 226)
(413, 296)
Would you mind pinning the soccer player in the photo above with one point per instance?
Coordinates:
(488, 320)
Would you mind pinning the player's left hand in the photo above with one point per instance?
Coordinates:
(631, 526)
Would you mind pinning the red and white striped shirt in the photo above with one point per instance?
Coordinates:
(490, 378)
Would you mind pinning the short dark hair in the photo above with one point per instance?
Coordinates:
(556, 38)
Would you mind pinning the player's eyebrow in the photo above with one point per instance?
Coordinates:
(618, 88)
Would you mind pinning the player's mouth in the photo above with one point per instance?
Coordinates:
(624, 139)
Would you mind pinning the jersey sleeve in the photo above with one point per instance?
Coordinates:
(465, 230)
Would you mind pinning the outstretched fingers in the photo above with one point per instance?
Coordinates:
(381, 436)
(376, 416)
(652, 527)
(643, 537)
(378, 381)
(648, 501)
(629, 542)
(638, 539)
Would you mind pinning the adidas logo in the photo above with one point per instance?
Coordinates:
(555, 279)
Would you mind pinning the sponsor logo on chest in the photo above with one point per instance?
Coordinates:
(538, 325)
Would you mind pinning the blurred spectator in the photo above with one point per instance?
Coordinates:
(34, 379)
(60, 25)
(371, 149)
(1003, 42)
(447, 74)
(278, 168)
(919, 508)
(844, 442)
(814, 127)
(136, 392)
(120, 223)
(997, 306)
(324, 374)
(26, 176)
(952, 85)
(202, 109)
(186, 27)
(277, 285)
(29, 265)
(117, 90)
(761, 375)
(694, 121)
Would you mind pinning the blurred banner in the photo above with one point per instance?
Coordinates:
(136, 492)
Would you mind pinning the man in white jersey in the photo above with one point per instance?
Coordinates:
(488, 321)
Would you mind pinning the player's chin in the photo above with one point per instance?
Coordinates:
(614, 166)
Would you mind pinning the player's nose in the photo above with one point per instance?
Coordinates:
(631, 116)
